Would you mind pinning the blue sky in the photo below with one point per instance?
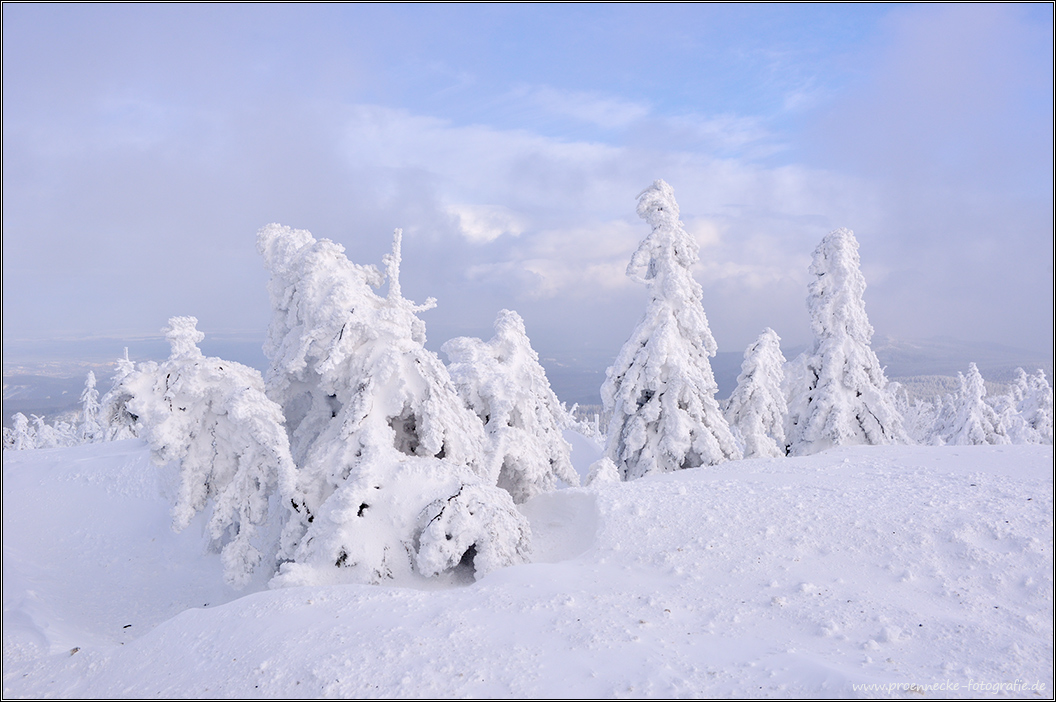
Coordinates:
(145, 145)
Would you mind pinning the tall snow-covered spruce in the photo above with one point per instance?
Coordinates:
(842, 395)
(757, 408)
(393, 469)
(661, 389)
(91, 429)
(503, 382)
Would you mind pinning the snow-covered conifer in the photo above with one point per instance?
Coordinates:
(844, 397)
(213, 417)
(502, 381)
(1006, 406)
(90, 430)
(379, 434)
(661, 389)
(56, 435)
(757, 407)
(1034, 407)
(918, 415)
(967, 418)
(21, 437)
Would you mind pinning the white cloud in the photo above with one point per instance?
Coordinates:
(590, 107)
(558, 216)
(704, 230)
(481, 224)
(724, 133)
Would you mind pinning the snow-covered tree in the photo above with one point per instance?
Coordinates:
(661, 389)
(1036, 407)
(56, 435)
(21, 436)
(918, 415)
(1027, 410)
(502, 381)
(843, 396)
(967, 418)
(91, 429)
(118, 422)
(389, 459)
(213, 418)
(757, 407)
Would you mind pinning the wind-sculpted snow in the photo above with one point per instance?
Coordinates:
(791, 577)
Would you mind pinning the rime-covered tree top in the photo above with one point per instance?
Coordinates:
(835, 298)
(183, 337)
(664, 260)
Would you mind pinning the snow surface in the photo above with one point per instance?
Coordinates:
(790, 577)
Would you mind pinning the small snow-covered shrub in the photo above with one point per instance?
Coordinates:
(476, 526)
(55, 435)
(918, 415)
(402, 515)
(602, 471)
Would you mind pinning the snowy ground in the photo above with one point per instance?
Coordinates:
(799, 577)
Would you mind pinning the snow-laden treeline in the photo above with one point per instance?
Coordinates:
(360, 456)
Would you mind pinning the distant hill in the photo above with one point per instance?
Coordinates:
(47, 377)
